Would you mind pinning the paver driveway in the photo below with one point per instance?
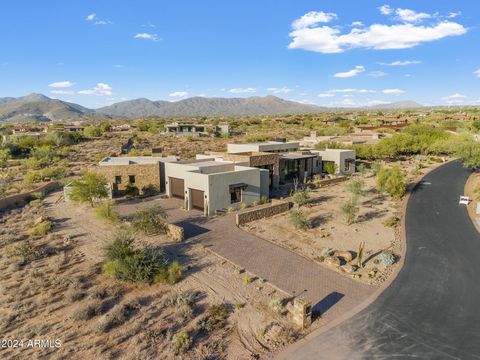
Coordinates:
(331, 293)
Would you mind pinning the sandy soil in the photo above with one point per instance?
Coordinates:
(329, 231)
(472, 184)
(50, 297)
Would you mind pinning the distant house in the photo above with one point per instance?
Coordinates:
(144, 172)
(73, 129)
(215, 185)
(189, 129)
(123, 127)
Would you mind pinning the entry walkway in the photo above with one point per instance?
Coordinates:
(331, 293)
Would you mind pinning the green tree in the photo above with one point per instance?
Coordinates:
(92, 132)
(356, 187)
(349, 211)
(90, 187)
(469, 152)
(392, 181)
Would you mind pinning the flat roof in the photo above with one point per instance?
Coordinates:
(136, 160)
(298, 156)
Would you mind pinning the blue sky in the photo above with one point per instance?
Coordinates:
(334, 53)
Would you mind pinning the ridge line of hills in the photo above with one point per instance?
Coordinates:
(38, 107)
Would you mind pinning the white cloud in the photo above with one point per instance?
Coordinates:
(411, 16)
(452, 15)
(103, 22)
(147, 36)
(91, 17)
(454, 96)
(62, 84)
(385, 9)
(62, 92)
(282, 90)
(377, 74)
(312, 18)
(393, 91)
(357, 24)
(350, 73)
(350, 90)
(101, 89)
(401, 63)
(248, 90)
(477, 73)
(325, 95)
(178, 94)
(118, 66)
(308, 35)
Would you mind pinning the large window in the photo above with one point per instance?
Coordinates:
(235, 194)
(131, 179)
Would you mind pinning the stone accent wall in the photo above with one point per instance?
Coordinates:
(262, 211)
(176, 232)
(21, 199)
(302, 312)
(336, 180)
(145, 175)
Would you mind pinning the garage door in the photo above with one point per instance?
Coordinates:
(177, 187)
(197, 199)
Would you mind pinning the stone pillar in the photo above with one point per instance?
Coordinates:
(302, 312)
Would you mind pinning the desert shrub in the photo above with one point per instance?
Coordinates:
(130, 189)
(124, 262)
(376, 167)
(386, 258)
(41, 229)
(104, 211)
(121, 246)
(89, 310)
(469, 152)
(48, 173)
(392, 221)
(325, 252)
(302, 197)
(257, 138)
(183, 313)
(299, 220)
(74, 294)
(243, 206)
(356, 187)
(392, 181)
(263, 199)
(117, 316)
(330, 167)
(214, 318)
(92, 132)
(89, 188)
(150, 221)
(170, 275)
(277, 306)
(184, 298)
(349, 211)
(181, 342)
(25, 251)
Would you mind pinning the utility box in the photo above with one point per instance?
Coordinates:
(302, 311)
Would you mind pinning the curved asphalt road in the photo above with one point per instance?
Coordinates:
(432, 309)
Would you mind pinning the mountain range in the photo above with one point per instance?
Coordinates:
(38, 107)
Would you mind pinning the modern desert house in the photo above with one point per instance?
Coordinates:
(292, 162)
(343, 159)
(214, 185)
(190, 129)
(143, 172)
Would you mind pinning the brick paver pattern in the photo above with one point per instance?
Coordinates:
(330, 292)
